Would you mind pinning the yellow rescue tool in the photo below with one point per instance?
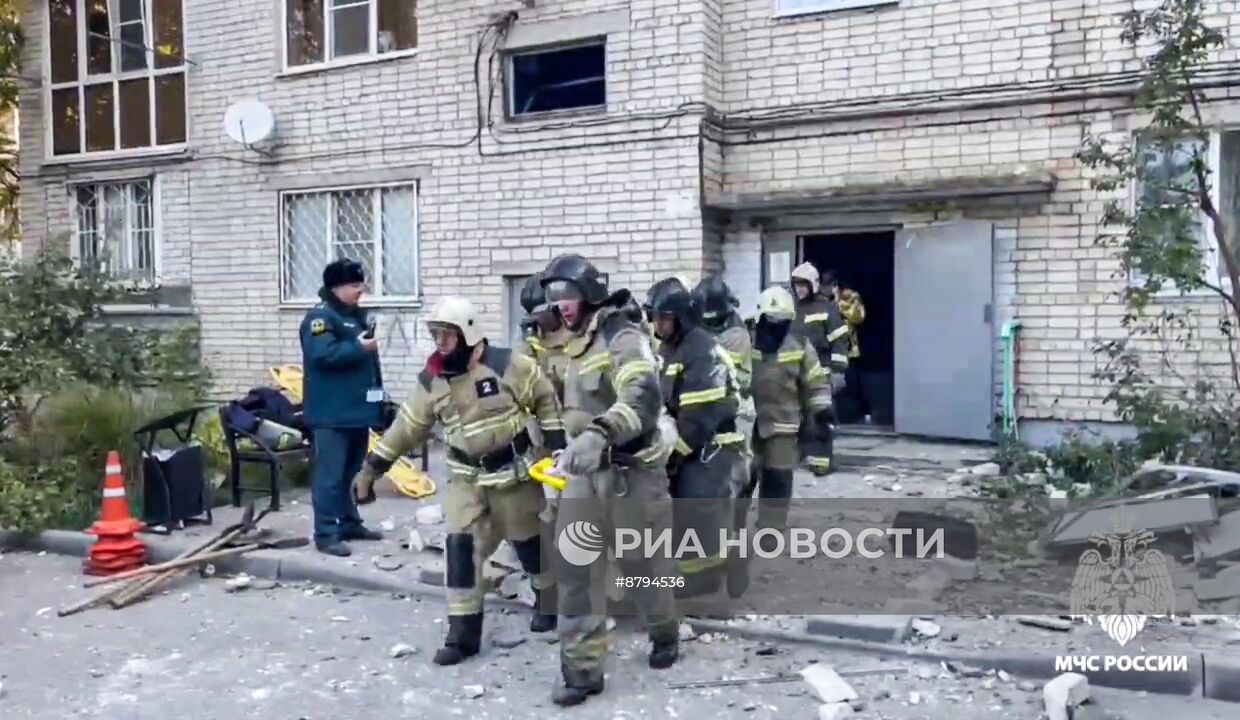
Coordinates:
(405, 477)
(541, 471)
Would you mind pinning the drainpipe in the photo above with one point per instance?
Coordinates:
(1011, 329)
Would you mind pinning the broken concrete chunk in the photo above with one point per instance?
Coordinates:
(957, 569)
(1157, 516)
(473, 691)
(1004, 676)
(925, 628)
(238, 583)
(387, 525)
(890, 628)
(835, 711)
(387, 563)
(989, 469)
(926, 672)
(828, 685)
(1045, 621)
(506, 557)
(429, 515)
(914, 698)
(416, 543)
(686, 632)
(400, 650)
(1063, 694)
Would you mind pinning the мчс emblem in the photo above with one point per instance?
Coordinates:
(1127, 586)
(318, 326)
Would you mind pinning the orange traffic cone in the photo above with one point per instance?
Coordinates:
(117, 550)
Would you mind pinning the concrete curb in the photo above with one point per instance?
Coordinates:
(1213, 677)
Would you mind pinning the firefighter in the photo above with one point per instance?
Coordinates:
(717, 312)
(852, 311)
(615, 465)
(545, 338)
(819, 321)
(479, 394)
(701, 394)
(788, 381)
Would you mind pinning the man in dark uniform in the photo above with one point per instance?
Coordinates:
(343, 400)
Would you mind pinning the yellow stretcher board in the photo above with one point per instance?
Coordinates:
(406, 478)
(540, 471)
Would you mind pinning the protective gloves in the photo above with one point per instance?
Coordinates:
(364, 485)
(584, 453)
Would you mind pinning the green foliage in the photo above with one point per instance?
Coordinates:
(1080, 459)
(50, 495)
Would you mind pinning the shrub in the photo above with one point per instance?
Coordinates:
(33, 499)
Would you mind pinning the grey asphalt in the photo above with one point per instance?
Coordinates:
(296, 652)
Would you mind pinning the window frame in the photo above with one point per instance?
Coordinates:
(830, 7)
(75, 245)
(510, 86)
(329, 35)
(372, 298)
(84, 79)
(1211, 266)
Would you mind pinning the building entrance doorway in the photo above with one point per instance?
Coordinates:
(865, 262)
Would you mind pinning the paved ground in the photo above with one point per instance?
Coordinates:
(201, 653)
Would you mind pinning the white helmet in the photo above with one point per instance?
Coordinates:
(458, 312)
(776, 303)
(808, 273)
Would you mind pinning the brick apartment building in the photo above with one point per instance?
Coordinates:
(923, 149)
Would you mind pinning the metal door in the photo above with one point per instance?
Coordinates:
(944, 334)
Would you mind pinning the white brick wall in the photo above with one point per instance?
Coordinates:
(627, 192)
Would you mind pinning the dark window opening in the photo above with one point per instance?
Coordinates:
(567, 78)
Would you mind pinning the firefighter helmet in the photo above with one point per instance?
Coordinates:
(806, 272)
(457, 312)
(576, 270)
(776, 304)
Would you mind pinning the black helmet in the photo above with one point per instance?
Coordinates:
(671, 297)
(713, 300)
(532, 294)
(577, 270)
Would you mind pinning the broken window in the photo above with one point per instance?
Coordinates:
(133, 63)
(557, 79)
(318, 31)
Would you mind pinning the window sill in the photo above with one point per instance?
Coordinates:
(816, 13)
(300, 70)
(373, 304)
(133, 309)
(553, 116)
(164, 152)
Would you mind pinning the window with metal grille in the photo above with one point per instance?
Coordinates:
(117, 75)
(116, 229)
(546, 80)
(325, 31)
(376, 226)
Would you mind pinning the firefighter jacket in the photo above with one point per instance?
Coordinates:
(700, 391)
(784, 383)
(734, 338)
(547, 349)
(818, 320)
(852, 310)
(484, 412)
(611, 384)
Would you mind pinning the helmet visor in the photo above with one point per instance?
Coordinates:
(563, 291)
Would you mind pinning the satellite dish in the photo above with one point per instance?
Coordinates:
(249, 121)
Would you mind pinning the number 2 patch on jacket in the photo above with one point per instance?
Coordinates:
(487, 387)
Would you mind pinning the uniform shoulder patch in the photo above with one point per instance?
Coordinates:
(318, 326)
(487, 387)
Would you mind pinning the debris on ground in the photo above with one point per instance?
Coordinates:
(914, 698)
(387, 525)
(387, 563)
(473, 691)
(429, 515)
(415, 542)
(401, 650)
(925, 628)
(835, 711)
(1171, 515)
(827, 684)
(1045, 622)
(686, 632)
(508, 642)
(1062, 695)
(988, 469)
(241, 582)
